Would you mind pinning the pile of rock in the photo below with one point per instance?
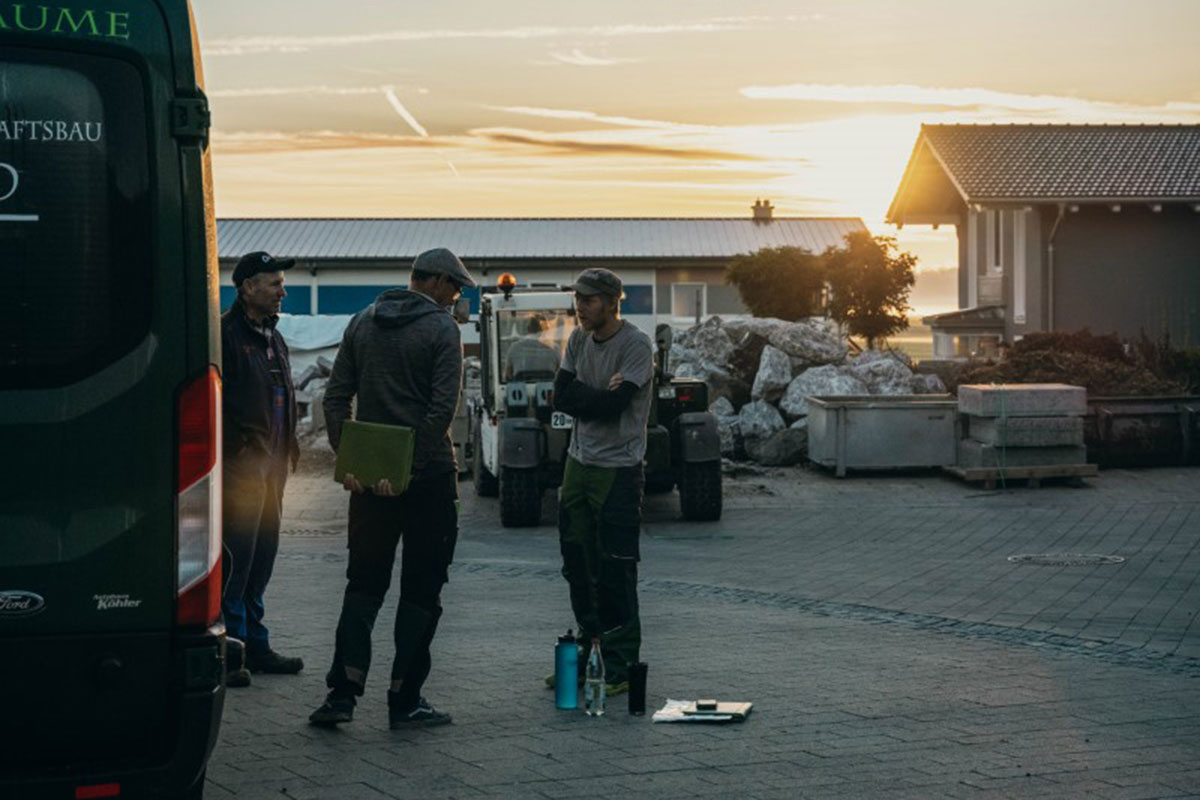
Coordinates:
(760, 370)
(310, 392)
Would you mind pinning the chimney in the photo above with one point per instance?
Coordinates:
(762, 211)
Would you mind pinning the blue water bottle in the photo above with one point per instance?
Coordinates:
(566, 672)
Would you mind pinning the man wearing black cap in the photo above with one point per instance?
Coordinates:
(259, 439)
(402, 358)
(605, 383)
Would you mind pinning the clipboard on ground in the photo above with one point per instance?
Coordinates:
(723, 712)
(371, 451)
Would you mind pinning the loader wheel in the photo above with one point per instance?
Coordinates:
(520, 498)
(660, 482)
(485, 482)
(700, 491)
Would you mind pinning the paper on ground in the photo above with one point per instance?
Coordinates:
(672, 711)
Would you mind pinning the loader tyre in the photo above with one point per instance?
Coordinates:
(520, 497)
(700, 491)
(660, 482)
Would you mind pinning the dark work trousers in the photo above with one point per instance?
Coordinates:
(253, 489)
(600, 517)
(425, 518)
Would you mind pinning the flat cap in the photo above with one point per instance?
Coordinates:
(252, 264)
(597, 280)
(440, 261)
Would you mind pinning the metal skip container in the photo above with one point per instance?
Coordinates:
(882, 431)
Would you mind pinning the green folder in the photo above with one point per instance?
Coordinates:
(371, 451)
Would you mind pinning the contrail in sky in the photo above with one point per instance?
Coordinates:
(390, 93)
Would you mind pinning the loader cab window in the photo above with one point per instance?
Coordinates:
(75, 276)
(532, 343)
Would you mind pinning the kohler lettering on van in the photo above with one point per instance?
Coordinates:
(111, 644)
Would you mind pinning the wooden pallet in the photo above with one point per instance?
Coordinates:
(1034, 475)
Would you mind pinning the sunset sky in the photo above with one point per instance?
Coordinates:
(667, 108)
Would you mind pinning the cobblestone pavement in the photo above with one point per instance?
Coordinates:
(891, 647)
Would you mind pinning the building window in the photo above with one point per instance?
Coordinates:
(686, 296)
(995, 242)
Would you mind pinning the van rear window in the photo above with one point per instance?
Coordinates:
(75, 216)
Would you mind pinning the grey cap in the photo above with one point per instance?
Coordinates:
(440, 261)
(597, 280)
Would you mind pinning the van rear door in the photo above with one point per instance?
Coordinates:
(95, 347)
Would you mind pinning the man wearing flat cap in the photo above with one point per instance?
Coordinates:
(402, 359)
(605, 383)
(259, 441)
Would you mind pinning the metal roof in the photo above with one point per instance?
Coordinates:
(1069, 162)
(479, 238)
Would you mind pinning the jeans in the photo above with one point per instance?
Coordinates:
(253, 488)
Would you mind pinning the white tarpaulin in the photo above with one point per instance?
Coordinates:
(311, 336)
(312, 331)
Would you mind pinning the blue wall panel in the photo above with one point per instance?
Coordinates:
(352, 299)
(638, 300)
(347, 299)
(298, 300)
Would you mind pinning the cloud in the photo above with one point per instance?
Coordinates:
(249, 45)
(246, 142)
(578, 58)
(282, 91)
(592, 116)
(581, 146)
(973, 98)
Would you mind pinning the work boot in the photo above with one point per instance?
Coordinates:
(236, 674)
(272, 663)
(420, 715)
(337, 708)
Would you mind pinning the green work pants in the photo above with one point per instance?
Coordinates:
(600, 518)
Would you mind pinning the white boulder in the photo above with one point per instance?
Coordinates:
(721, 407)
(927, 384)
(788, 446)
(759, 420)
(774, 375)
(822, 381)
(882, 372)
(809, 342)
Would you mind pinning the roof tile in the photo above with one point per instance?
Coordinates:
(1019, 162)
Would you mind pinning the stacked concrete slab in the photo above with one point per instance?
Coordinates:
(1021, 425)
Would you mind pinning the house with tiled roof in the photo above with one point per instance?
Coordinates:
(1061, 227)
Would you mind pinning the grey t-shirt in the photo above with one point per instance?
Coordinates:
(619, 442)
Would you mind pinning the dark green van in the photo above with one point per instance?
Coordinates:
(111, 645)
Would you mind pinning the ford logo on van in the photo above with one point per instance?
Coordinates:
(17, 603)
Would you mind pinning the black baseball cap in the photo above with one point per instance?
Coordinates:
(252, 264)
(598, 280)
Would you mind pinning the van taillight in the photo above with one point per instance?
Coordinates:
(198, 501)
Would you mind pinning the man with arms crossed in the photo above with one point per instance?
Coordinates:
(605, 383)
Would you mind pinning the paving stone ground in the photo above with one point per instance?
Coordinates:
(890, 646)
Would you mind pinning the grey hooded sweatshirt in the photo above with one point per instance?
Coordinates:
(402, 357)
